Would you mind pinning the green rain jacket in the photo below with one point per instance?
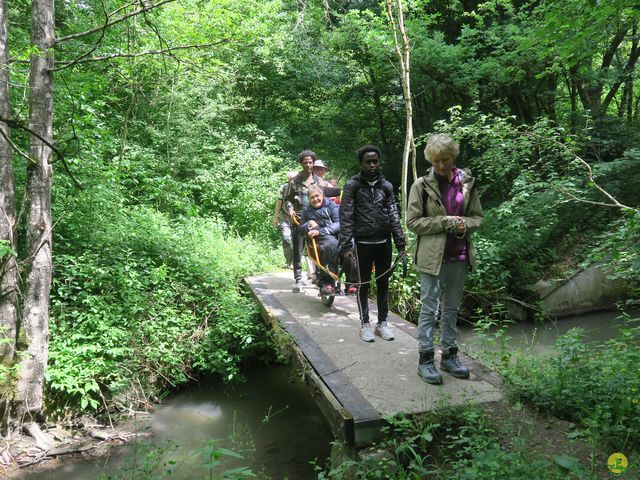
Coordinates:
(426, 217)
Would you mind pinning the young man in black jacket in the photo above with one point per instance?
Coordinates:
(368, 219)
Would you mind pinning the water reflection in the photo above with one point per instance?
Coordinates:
(540, 339)
(271, 421)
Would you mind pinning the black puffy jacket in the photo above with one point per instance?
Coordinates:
(369, 213)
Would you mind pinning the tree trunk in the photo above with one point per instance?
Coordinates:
(627, 71)
(34, 332)
(327, 13)
(8, 265)
(403, 51)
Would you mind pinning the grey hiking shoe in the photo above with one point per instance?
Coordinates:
(384, 331)
(427, 370)
(366, 333)
(297, 286)
(452, 364)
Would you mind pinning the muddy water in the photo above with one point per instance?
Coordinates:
(271, 421)
(539, 339)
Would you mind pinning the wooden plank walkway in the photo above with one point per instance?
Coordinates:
(358, 384)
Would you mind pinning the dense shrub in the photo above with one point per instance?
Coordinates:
(149, 303)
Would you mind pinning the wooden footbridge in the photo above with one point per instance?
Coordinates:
(358, 384)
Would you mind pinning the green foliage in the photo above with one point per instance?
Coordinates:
(404, 292)
(152, 462)
(152, 303)
(596, 385)
(454, 443)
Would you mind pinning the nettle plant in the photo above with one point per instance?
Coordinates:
(595, 385)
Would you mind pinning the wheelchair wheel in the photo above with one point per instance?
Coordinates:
(327, 299)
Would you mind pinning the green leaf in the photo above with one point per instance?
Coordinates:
(229, 453)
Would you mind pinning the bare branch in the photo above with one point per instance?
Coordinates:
(138, 54)
(14, 146)
(113, 22)
(123, 7)
(95, 45)
(614, 202)
(584, 200)
(54, 149)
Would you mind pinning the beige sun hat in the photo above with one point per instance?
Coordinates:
(320, 164)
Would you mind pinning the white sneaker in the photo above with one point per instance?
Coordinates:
(297, 287)
(384, 331)
(366, 333)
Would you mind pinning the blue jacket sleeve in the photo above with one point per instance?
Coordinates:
(333, 228)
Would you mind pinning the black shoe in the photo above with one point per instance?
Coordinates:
(452, 364)
(427, 370)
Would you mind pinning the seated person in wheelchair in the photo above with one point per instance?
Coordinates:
(320, 221)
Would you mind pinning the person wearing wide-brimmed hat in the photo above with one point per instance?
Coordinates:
(320, 169)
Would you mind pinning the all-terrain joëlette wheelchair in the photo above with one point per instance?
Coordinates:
(329, 274)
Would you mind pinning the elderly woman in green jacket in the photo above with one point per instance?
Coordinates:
(443, 211)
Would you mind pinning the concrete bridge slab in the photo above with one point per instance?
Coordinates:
(362, 383)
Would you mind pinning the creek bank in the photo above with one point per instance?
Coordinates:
(270, 419)
(518, 428)
(84, 438)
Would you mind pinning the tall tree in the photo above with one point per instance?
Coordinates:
(35, 316)
(8, 266)
(403, 50)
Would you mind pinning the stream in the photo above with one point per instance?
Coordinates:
(273, 422)
(539, 339)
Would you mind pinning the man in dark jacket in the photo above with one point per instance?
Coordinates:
(368, 219)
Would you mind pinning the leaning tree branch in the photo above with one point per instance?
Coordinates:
(54, 149)
(612, 199)
(139, 54)
(614, 202)
(110, 23)
(14, 146)
(591, 202)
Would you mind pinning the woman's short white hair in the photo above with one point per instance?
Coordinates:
(441, 143)
(314, 189)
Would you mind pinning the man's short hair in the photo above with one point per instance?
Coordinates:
(367, 148)
(307, 153)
